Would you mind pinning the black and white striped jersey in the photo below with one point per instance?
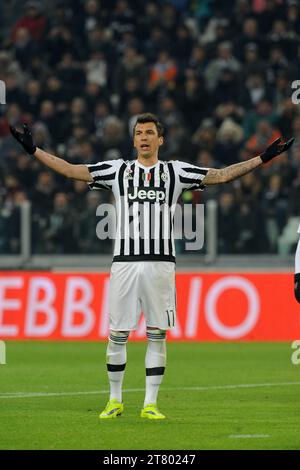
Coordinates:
(146, 199)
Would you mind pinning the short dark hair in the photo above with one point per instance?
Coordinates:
(149, 117)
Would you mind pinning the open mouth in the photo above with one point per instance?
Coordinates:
(145, 147)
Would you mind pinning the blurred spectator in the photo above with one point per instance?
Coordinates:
(252, 61)
(25, 48)
(59, 235)
(277, 64)
(96, 69)
(158, 41)
(263, 137)
(9, 67)
(134, 108)
(163, 72)
(183, 44)
(192, 100)
(218, 74)
(54, 90)
(228, 142)
(47, 116)
(41, 135)
(228, 232)
(92, 13)
(169, 112)
(254, 91)
(224, 60)
(113, 143)
(287, 113)
(33, 21)
(281, 91)
(204, 137)
(60, 42)
(102, 112)
(263, 111)
(14, 117)
(78, 196)
(42, 193)
(132, 65)
(10, 228)
(169, 19)
(149, 20)
(250, 36)
(226, 87)
(252, 238)
(32, 97)
(275, 204)
(132, 88)
(88, 240)
(197, 62)
(69, 71)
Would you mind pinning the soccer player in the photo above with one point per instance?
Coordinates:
(142, 275)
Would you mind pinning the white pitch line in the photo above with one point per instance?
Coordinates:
(249, 436)
(133, 390)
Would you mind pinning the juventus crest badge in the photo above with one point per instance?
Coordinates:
(128, 173)
(164, 176)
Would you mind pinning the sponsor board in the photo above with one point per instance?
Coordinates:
(210, 307)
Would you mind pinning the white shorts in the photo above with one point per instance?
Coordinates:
(147, 286)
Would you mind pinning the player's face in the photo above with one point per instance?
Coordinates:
(146, 139)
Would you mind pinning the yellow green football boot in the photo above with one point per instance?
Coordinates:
(151, 412)
(112, 409)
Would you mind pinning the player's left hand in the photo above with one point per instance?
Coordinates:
(275, 149)
(24, 138)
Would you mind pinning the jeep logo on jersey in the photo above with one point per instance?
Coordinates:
(142, 194)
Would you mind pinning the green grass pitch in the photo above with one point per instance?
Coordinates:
(215, 396)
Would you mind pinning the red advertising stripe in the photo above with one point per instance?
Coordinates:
(211, 307)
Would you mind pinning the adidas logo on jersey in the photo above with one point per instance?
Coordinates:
(142, 194)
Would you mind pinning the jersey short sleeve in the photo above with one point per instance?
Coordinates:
(104, 173)
(191, 176)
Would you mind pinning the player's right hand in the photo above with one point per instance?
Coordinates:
(24, 138)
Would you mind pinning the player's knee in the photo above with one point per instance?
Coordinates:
(118, 337)
(297, 287)
(155, 334)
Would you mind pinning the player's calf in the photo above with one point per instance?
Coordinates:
(116, 357)
(155, 363)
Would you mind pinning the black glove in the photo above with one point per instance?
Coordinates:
(276, 149)
(24, 138)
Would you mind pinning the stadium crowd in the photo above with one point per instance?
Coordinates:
(219, 75)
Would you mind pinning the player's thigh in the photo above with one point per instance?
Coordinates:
(158, 294)
(123, 296)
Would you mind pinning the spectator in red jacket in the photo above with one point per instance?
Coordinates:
(33, 20)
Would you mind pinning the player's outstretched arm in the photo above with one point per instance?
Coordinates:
(78, 172)
(231, 172)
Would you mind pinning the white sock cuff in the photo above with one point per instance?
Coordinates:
(156, 335)
(118, 337)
